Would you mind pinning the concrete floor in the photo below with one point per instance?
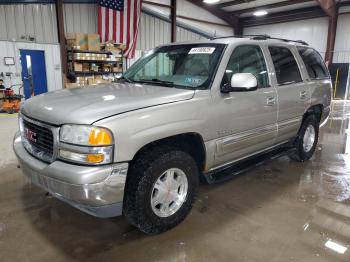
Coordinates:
(280, 211)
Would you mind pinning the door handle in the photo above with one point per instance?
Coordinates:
(270, 101)
(303, 94)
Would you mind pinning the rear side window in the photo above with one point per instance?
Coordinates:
(314, 63)
(286, 67)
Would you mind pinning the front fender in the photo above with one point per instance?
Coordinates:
(134, 130)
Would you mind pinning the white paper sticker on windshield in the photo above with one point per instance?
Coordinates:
(202, 50)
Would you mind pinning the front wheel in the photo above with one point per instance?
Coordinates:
(160, 189)
(306, 141)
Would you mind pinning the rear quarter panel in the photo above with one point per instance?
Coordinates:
(321, 93)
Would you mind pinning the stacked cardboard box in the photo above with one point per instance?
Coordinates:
(77, 41)
(82, 41)
(91, 80)
(76, 67)
(91, 62)
(118, 68)
(93, 41)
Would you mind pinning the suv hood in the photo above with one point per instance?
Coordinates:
(88, 104)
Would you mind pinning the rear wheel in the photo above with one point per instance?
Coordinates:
(160, 189)
(306, 141)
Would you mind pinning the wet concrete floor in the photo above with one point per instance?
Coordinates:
(280, 211)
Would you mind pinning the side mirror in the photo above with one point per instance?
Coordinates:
(241, 82)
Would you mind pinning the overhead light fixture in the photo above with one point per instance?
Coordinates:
(260, 13)
(211, 1)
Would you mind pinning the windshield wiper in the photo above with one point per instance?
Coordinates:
(157, 81)
(125, 79)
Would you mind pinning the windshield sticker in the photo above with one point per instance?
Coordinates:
(202, 50)
(193, 81)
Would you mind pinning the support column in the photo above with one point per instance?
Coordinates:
(238, 27)
(332, 31)
(331, 9)
(61, 35)
(173, 20)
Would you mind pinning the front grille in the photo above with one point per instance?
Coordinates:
(40, 138)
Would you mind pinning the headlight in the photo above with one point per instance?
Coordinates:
(86, 144)
(85, 135)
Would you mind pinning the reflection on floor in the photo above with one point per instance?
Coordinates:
(280, 211)
(329, 186)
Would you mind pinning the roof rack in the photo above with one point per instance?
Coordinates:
(264, 37)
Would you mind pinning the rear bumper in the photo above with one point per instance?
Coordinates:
(67, 182)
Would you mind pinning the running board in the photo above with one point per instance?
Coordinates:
(228, 172)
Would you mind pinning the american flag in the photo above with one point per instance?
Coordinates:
(119, 20)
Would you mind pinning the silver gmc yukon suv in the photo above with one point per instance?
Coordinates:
(182, 112)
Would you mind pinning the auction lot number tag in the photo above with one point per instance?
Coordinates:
(202, 50)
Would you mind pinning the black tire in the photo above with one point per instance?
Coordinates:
(143, 173)
(300, 155)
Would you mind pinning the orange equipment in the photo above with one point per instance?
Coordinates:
(9, 101)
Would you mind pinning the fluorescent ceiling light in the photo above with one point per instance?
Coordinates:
(211, 1)
(336, 247)
(260, 13)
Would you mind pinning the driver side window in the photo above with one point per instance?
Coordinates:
(247, 59)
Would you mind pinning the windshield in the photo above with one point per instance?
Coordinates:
(184, 66)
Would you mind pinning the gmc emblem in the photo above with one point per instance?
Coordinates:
(29, 135)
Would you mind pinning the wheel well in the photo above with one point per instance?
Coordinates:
(316, 110)
(191, 143)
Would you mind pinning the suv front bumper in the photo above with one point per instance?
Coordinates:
(102, 198)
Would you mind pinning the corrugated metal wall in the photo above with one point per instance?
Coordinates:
(155, 32)
(313, 31)
(80, 18)
(52, 61)
(38, 20)
(342, 42)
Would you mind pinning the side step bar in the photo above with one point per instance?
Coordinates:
(228, 172)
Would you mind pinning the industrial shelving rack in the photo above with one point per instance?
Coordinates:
(73, 74)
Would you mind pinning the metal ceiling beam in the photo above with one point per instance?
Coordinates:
(231, 3)
(328, 6)
(214, 10)
(270, 6)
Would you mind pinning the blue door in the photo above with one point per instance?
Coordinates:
(33, 72)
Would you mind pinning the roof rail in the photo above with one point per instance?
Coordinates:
(264, 37)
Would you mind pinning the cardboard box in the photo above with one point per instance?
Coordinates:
(107, 68)
(77, 41)
(94, 67)
(118, 69)
(76, 67)
(113, 47)
(91, 81)
(86, 67)
(94, 43)
(72, 85)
